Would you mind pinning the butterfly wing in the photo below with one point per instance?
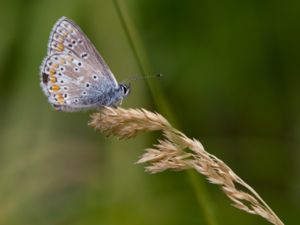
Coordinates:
(74, 75)
(67, 37)
(71, 84)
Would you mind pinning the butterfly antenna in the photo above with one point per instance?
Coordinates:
(136, 77)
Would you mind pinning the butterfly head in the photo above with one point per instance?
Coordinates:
(125, 89)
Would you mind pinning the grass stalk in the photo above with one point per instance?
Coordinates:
(161, 102)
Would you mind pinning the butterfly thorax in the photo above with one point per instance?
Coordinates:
(114, 96)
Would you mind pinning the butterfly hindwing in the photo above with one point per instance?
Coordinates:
(69, 81)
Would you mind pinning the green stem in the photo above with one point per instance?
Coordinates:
(129, 38)
(161, 103)
(202, 197)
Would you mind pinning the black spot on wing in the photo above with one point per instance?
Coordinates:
(45, 78)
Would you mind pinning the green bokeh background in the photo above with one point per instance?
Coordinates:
(232, 80)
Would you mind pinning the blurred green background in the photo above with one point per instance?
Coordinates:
(231, 80)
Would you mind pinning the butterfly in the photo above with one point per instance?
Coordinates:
(74, 76)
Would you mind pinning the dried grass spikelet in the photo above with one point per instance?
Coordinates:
(178, 152)
(127, 123)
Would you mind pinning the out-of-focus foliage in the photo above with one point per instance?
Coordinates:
(232, 78)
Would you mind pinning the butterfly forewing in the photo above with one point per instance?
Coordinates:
(66, 37)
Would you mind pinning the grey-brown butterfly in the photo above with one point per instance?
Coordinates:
(74, 76)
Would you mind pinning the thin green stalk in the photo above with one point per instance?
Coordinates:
(129, 38)
(163, 106)
(202, 197)
(143, 64)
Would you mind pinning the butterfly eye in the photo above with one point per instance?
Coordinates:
(84, 93)
(125, 89)
(76, 69)
(87, 85)
(95, 77)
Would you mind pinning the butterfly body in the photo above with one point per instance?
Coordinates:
(74, 76)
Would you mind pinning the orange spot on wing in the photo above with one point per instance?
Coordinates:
(60, 47)
(60, 98)
(52, 71)
(55, 87)
(53, 79)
